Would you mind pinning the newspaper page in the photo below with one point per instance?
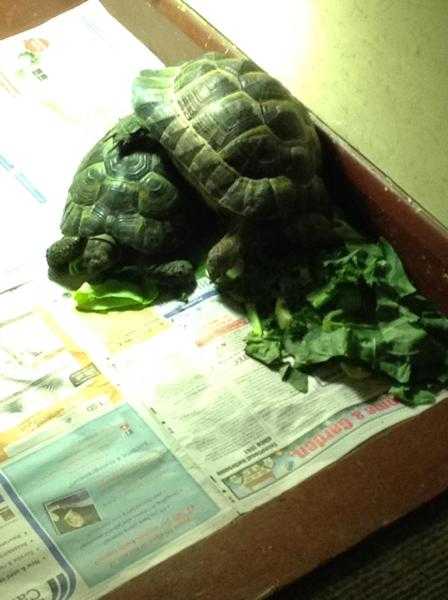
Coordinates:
(47, 382)
(92, 489)
(253, 433)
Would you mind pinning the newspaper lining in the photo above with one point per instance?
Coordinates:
(125, 438)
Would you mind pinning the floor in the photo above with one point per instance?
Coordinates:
(407, 560)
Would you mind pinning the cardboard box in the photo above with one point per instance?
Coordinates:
(377, 483)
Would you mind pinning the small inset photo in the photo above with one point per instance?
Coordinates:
(72, 512)
(6, 514)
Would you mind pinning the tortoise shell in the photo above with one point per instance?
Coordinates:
(122, 188)
(235, 133)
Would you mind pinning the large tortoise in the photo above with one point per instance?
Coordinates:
(121, 197)
(242, 140)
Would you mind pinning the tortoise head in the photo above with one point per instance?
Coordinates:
(100, 254)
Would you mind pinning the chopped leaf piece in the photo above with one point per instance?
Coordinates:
(323, 295)
(318, 346)
(263, 348)
(413, 397)
(298, 379)
(282, 314)
(254, 320)
(394, 273)
(114, 295)
(401, 371)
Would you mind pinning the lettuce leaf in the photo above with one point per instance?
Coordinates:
(362, 311)
(115, 294)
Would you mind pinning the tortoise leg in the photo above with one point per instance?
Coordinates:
(100, 254)
(63, 251)
(311, 231)
(225, 257)
(173, 274)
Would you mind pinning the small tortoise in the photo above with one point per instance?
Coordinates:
(240, 138)
(122, 196)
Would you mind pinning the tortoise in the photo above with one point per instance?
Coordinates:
(123, 195)
(242, 140)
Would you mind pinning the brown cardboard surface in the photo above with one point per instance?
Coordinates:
(380, 481)
(16, 16)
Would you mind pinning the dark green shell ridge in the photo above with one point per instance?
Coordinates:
(123, 189)
(232, 131)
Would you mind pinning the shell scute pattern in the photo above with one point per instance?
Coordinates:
(237, 116)
(255, 155)
(232, 130)
(124, 190)
(261, 87)
(85, 188)
(223, 178)
(173, 134)
(192, 71)
(284, 120)
(91, 221)
(209, 88)
(131, 167)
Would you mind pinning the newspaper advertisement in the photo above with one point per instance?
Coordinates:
(47, 382)
(98, 505)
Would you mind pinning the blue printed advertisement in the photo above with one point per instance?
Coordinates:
(109, 494)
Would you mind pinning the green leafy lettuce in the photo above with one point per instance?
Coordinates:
(357, 307)
(114, 294)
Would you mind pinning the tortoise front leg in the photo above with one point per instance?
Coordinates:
(173, 274)
(100, 254)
